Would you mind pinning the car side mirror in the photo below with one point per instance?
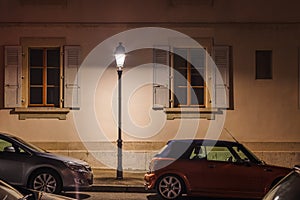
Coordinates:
(9, 149)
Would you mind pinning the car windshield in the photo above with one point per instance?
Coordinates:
(31, 146)
(244, 154)
(286, 189)
(251, 156)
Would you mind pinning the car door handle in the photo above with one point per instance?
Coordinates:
(268, 170)
(211, 166)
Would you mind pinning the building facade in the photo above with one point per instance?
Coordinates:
(194, 69)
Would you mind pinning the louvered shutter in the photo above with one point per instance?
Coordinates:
(222, 82)
(71, 77)
(161, 97)
(13, 76)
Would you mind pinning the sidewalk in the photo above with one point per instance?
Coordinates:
(105, 181)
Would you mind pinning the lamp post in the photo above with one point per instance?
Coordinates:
(120, 58)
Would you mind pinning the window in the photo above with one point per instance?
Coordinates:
(263, 60)
(4, 144)
(41, 78)
(198, 152)
(189, 84)
(8, 147)
(44, 72)
(219, 153)
(186, 82)
(240, 153)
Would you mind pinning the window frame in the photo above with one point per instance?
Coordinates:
(219, 93)
(45, 85)
(189, 87)
(16, 90)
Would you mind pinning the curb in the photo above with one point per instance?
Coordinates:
(117, 188)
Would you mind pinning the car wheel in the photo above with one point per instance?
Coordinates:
(170, 187)
(46, 180)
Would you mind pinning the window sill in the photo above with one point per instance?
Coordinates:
(41, 113)
(191, 113)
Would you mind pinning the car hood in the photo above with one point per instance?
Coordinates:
(62, 158)
(277, 167)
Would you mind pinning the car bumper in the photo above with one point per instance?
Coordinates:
(75, 179)
(84, 179)
(149, 179)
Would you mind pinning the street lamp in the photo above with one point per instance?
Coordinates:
(120, 58)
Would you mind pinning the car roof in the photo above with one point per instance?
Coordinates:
(7, 135)
(205, 141)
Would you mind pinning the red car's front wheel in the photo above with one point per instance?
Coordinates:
(170, 187)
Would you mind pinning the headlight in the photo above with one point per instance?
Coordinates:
(152, 165)
(75, 166)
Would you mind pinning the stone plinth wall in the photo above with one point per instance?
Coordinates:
(136, 155)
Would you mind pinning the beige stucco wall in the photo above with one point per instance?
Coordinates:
(264, 110)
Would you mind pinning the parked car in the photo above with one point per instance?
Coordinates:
(7, 192)
(288, 188)
(23, 164)
(210, 168)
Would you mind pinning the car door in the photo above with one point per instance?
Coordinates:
(12, 162)
(226, 174)
(194, 168)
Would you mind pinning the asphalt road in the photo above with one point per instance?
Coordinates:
(125, 196)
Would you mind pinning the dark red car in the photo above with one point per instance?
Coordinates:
(210, 168)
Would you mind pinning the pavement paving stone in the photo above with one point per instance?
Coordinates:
(105, 181)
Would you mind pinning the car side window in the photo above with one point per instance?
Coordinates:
(198, 152)
(4, 145)
(9, 147)
(219, 153)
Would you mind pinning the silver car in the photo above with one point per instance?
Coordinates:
(287, 188)
(23, 164)
(7, 192)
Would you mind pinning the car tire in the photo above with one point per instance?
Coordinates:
(170, 187)
(46, 180)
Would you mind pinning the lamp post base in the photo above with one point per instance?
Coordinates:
(119, 175)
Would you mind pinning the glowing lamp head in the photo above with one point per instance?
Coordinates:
(120, 55)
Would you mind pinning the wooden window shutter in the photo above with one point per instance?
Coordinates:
(13, 76)
(222, 83)
(71, 77)
(161, 76)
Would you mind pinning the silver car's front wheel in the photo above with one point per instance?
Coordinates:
(170, 187)
(46, 180)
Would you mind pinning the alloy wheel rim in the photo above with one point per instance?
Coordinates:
(45, 182)
(170, 187)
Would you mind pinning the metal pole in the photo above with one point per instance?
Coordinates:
(120, 168)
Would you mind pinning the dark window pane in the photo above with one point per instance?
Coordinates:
(180, 56)
(180, 77)
(36, 57)
(197, 96)
(196, 77)
(53, 56)
(180, 95)
(53, 95)
(53, 76)
(36, 76)
(264, 64)
(198, 58)
(36, 95)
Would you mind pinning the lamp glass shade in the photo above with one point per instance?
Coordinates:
(120, 59)
(120, 55)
